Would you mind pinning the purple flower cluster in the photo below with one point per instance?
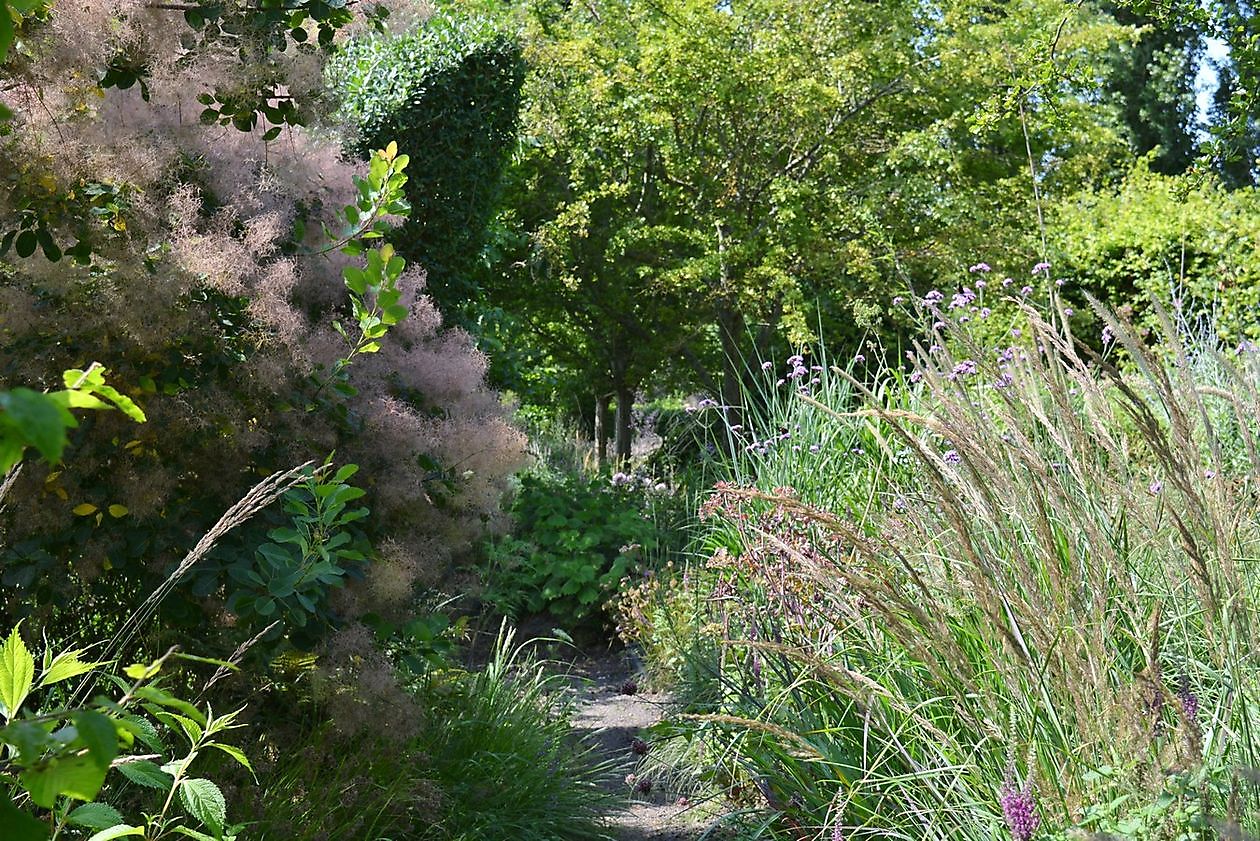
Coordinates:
(962, 299)
(1189, 701)
(1019, 808)
(1041, 268)
(963, 369)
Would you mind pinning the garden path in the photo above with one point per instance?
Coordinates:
(611, 718)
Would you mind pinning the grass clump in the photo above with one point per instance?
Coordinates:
(504, 757)
(1009, 593)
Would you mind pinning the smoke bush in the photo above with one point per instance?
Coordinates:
(200, 289)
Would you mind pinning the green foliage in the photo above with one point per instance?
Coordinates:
(93, 209)
(63, 762)
(449, 94)
(41, 419)
(312, 548)
(1152, 83)
(577, 538)
(504, 758)
(1181, 242)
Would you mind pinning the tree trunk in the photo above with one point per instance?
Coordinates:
(601, 430)
(625, 403)
(731, 330)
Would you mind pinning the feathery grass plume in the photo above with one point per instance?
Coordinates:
(259, 497)
(974, 565)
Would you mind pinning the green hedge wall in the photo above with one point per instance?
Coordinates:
(449, 93)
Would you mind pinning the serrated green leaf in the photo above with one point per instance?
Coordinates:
(76, 777)
(98, 735)
(205, 802)
(142, 772)
(143, 730)
(65, 666)
(165, 699)
(95, 816)
(234, 752)
(17, 674)
(190, 728)
(124, 403)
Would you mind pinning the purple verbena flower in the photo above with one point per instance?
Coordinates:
(1041, 268)
(1026, 291)
(767, 365)
(962, 299)
(952, 457)
(963, 369)
(1189, 701)
(934, 297)
(980, 267)
(1155, 487)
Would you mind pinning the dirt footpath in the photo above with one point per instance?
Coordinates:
(611, 717)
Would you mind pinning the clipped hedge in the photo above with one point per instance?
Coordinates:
(450, 94)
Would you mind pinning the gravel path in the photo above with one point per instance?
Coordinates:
(612, 718)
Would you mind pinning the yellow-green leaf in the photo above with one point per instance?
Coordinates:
(17, 674)
(65, 666)
(118, 510)
(83, 509)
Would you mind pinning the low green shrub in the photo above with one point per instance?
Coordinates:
(1178, 241)
(575, 539)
